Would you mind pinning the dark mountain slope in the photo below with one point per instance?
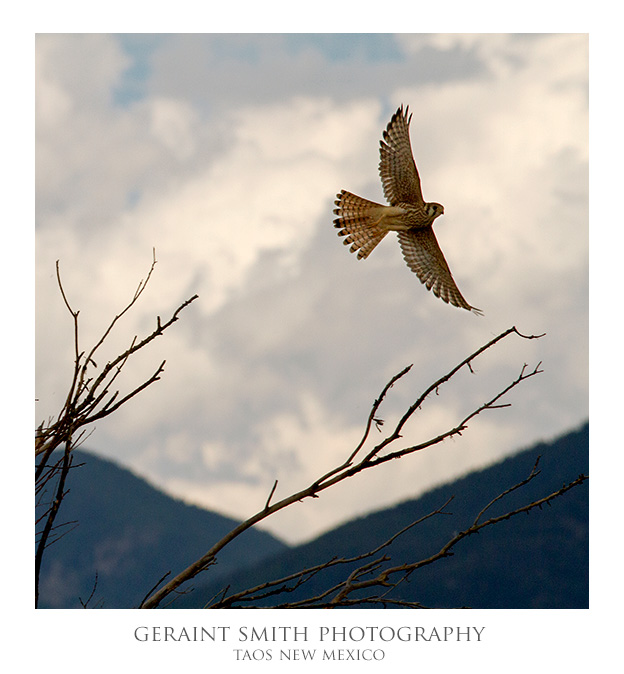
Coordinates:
(539, 560)
(130, 534)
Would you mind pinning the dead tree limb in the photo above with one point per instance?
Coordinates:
(350, 466)
(90, 398)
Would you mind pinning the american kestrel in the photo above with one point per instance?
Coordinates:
(364, 223)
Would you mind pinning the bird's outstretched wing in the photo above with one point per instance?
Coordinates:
(399, 176)
(425, 258)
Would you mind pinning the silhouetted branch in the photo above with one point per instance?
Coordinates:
(300, 577)
(85, 400)
(85, 604)
(349, 468)
(377, 574)
(88, 399)
(384, 578)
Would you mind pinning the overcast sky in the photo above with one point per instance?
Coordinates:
(224, 153)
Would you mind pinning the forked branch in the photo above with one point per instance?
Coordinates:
(91, 398)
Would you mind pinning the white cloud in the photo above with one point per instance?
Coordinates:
(176, 125)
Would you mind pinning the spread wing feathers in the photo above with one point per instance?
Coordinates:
(356, 222)
(397, 169)
(424, 257)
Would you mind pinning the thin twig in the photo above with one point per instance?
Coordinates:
(268, 501)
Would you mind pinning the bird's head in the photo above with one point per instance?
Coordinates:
(434, 210)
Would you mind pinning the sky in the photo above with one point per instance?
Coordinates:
(224, 153)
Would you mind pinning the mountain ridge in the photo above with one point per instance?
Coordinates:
(130, 534)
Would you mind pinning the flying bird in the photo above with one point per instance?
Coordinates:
(364, 223)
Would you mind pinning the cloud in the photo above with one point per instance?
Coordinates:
(227, 161)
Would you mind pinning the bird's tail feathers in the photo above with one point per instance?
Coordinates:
(358, 221)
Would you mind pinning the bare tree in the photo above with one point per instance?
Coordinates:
(91, 398)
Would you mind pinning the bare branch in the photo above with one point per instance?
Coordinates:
(86, 395)
(85, 604)
(377, 574)
(300, 577)
(141, 287)
(532, 475)
(270, 495)
(87, 400)
(53, 512)
(384, 579)
(160, 580)
(457, 430)
(348, 469)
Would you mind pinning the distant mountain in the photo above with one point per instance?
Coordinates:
(130, 534)
(536, 560)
